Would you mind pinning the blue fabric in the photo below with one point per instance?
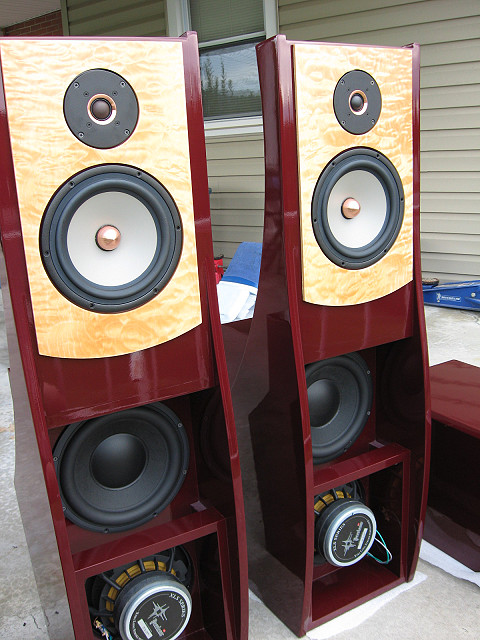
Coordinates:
(245, 265)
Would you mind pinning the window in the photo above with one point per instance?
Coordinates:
(228, 31)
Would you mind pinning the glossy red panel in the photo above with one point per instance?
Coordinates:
(452, 522)
(455, 396)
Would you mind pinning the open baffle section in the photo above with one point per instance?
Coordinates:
(385, 475)
(202, 517)
(281, 483)
(359, 327)
(61, 395)
(204, 537)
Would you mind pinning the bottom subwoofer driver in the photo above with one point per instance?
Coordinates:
(345, 527)
(145, 600)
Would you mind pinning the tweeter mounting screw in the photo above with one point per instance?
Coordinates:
(127, 132)
(80, 134)
(76, 85)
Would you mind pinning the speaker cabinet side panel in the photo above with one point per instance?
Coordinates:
(266, 400)
(34, 506)
(318, 68)
(63, 329)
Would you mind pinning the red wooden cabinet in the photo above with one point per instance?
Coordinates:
(186, 374)
(390, 455)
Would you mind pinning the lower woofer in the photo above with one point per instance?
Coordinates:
(369, 179)
(144, 600)
(118, 471)
(100, 271)
(345, 527)
(340, 394)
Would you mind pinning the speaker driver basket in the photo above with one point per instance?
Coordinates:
(345, 527)
(340, 394)
(370, 179)
(118, 471)
(147, 246)
(149, 598)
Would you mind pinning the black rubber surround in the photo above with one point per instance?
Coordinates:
(98, 133)
(340, 394)
(358, 159)
(357, 82)
(60, 212)
(118, 471)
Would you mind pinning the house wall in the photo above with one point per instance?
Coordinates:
(49, 24)
(450, 116)
(114, 17)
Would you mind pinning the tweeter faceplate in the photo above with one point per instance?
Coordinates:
(100, 108)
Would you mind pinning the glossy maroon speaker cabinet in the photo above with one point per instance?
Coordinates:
(452, 522)
(127, 470)
(332, 394)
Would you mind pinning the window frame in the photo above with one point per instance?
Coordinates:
(179, 21)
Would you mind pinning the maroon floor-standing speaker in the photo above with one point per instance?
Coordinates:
(332, 392)
(127, 471)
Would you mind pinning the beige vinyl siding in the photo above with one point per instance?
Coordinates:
(236, 179)
(450, 107)
(114, 18)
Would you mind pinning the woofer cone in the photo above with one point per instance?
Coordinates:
(118, 471)
(145, 214)
(340, 394)
(371, 179)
